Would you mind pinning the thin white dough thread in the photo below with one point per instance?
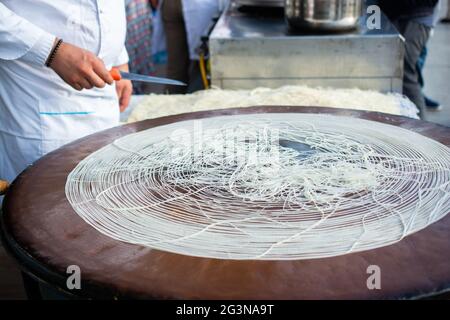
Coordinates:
(270, 186)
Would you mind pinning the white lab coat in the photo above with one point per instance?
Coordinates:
(198, 15)
(38, 111)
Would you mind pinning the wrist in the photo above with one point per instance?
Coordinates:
(51, 57)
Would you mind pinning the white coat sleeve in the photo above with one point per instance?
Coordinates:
(21, 40)
(123, 57)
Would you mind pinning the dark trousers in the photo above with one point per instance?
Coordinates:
(416, 36)
(421, 65)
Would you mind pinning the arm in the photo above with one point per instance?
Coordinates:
(21, 40)
(124, 89)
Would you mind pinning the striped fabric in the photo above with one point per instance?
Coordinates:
(139, 37)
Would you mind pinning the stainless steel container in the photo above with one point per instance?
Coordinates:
(248, 51)
(261, 3)
(323, 15)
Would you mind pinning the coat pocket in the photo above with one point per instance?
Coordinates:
(65, 120)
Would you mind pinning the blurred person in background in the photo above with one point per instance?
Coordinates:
(414, 19)
(55, 85)
(184, 23)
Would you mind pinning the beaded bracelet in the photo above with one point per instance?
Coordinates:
(52, 54)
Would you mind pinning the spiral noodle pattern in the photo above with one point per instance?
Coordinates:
(271, 187)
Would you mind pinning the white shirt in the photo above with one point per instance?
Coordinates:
(38, 111)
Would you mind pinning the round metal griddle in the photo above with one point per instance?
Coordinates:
(42, 231)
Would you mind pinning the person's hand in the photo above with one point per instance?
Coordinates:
(80, 68)
(124, 89)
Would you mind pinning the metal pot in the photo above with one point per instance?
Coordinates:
(261, 3)
(323, 15)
